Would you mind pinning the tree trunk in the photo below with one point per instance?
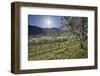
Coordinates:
(81, 45)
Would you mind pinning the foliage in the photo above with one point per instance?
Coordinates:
(78, 27)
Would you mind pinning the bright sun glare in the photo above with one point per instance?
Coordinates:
(48, 24)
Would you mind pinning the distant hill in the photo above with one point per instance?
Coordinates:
(34, 30)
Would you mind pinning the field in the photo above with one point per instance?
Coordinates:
(56, 50)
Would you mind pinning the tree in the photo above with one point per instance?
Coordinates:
(78, 27)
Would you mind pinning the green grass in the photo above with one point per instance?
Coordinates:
(58, 50)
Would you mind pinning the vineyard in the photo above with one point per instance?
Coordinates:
(61, 49)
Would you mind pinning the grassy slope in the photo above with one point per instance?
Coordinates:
(61, 50)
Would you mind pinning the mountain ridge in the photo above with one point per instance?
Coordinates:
(35, 30)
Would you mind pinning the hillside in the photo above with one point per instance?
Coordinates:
(34, 31)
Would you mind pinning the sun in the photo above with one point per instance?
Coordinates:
(48, 24)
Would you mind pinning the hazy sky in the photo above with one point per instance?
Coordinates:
(44, 21)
